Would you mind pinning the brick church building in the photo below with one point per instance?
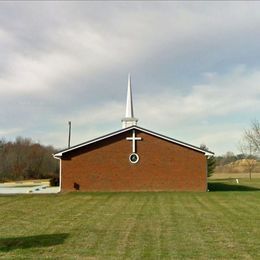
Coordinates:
(133, 159)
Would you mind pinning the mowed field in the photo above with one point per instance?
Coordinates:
(221, 224)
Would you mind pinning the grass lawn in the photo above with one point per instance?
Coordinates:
(223, 224)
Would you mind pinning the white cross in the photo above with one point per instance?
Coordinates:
(133, 139)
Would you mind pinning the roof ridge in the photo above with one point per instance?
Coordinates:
(60, 153)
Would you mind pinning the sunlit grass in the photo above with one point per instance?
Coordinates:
(141, 225)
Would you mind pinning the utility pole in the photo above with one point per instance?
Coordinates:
(69, 134)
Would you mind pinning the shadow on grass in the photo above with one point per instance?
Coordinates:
(219, 186)
(8, 244)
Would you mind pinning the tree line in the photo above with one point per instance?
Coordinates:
(237, 163)
(245, 161)
(24, 159)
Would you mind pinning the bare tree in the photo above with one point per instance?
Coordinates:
(25, 159)
(249, 150)
(253, 134)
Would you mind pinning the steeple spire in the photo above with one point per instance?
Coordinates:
(129, 119)
(129, 112)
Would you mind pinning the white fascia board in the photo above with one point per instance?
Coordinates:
(175, 141)
(92, 141)
(59, 154)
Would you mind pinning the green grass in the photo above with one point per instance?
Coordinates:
(221, 224)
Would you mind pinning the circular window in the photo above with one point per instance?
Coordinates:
(133, 158)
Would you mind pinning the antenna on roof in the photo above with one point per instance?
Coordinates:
(69, 134)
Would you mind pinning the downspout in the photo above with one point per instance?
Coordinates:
(206, 154)
(58, 158)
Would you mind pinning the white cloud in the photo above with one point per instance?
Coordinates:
(205, 113)
(129, 34)
(221, 140)
(5, 38)
(96, 115)
(222, 95)
(65, 56)
(10, 131)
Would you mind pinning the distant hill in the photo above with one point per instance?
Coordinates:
(238, 166)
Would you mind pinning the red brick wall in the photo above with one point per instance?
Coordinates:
(163, 166)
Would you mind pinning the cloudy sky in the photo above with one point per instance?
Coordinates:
(195, 69)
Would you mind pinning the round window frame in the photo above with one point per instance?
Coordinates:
(137, 156)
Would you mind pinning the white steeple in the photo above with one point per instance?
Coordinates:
(129, 119)
(129, 101)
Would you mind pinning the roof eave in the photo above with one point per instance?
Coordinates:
(59, 154)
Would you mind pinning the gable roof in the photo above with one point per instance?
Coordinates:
(60, 153)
